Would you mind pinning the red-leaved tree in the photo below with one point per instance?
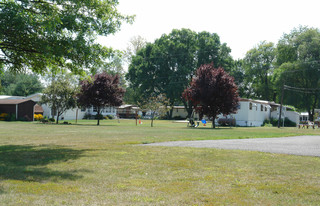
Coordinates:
(212, 92)
(100, 91)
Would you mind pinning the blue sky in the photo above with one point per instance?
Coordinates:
(241, 24)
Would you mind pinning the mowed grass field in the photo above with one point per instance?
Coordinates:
(85, 164)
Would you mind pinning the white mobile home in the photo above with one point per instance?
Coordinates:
(252, 112)
(71, 114)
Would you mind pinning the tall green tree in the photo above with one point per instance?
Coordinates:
(298, 61)
(19, 84)
(167, 65)
(61, 33)
(258, 64)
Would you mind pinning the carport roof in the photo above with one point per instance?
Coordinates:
(13, 101)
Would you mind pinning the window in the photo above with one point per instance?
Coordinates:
(261, 108)
(83, 109)
(250, 106)
(266, 109)
(95, 109)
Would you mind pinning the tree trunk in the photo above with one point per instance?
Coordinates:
(188, 107)
(152, 116)
(214, 121)
(77, 116)
(58, 115)
(267, 88)
(98, 115)
(311, 114)
(169, 113)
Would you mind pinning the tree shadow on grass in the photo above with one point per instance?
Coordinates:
(80, 124)
(28, 163)
(210, 128)
(94, 125)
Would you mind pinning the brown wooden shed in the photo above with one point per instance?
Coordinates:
(22, 108)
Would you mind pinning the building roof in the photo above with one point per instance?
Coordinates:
(259, 101)
(10, 97)
(13, 101)
(125, 106)
(38, 109)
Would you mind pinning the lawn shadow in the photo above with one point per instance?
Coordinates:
(28, 163)
(210, 128)
(79, 124)
(93, 125)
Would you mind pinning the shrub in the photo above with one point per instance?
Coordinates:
(7, 117)
(98, 116)
(87, 116)
(44, 120)
(38, 117)
(274, 122)
(3, 116)
(226, 122)
(110, 116)
(51, 119)
(11, 117)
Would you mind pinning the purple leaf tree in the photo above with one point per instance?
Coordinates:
(212, 92)
(101, 90)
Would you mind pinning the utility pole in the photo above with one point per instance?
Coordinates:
(281, 105)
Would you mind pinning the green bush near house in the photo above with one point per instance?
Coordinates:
(110, 116)
(98, 116)
(274, 122)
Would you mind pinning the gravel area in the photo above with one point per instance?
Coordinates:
(299, 145)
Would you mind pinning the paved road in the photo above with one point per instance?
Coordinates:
(300, 145)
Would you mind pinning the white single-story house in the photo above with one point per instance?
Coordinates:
(71, 114)
(179, 111)
(255, 112)
(77, 113)
(250, 112)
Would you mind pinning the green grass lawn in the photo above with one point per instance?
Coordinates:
(85, 164)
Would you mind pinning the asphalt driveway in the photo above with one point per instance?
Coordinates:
(299, 145)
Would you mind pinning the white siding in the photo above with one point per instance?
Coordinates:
(251, 118)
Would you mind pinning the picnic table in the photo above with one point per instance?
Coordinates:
(306, 125)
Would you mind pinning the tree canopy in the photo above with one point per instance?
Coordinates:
(258, 64)
(101, 90)
(19, 84)
(212, 92)
(56, 33)
(298, 61)
(167, 65)
(156, 105)
(60, 95)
